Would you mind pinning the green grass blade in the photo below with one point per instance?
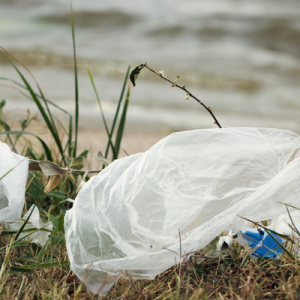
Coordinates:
(117, 111)
(122, 124)
(40, 107)
(22, 238)
(76, 83)
(24, 224)
(11, 232)
(8, 232)
(294, 226)
(289, 205)
(42, 111)
(7, 128)
(12, 169)
(46, 149)
(60, 223)
(22, 243)
(271, 251)
(14, 270)
(48, 110)
(42, 95)
(276, 233)
(102, 113)
(43, 251)
(39, 96)
(281, 246)
(25, 123)
(34, 267)
(61, 125)
(68, 145)
(264, 227)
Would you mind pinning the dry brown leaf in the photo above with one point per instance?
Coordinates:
(52, 184)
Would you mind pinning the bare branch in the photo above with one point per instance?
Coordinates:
(188, 93)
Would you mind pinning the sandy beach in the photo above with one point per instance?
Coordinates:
(88, 139)
(97, 140)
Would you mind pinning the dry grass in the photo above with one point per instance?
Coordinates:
(234, 275)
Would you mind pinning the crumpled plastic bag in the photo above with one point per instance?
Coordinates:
(12, 186)
(126, 220)
(39, 237)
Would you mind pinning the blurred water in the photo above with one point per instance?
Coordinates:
(242, 58)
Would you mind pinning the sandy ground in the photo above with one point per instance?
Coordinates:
(132, 143)
(88, 139)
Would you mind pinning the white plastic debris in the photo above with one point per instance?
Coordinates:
(282, 222)
(225, 242)
(39, 237)
(126, 220)
(12, 186)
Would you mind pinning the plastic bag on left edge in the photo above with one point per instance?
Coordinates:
(12, 185)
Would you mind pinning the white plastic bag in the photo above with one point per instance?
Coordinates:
(126, 220)
(12, 186)
(39, 237)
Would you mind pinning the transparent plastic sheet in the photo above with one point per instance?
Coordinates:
(35, 221)
(12, 186)
(126, 220)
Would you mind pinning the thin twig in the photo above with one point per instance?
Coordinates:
(189, 94)
(12, 169)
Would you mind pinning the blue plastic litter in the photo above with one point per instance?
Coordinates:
(260, 242)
